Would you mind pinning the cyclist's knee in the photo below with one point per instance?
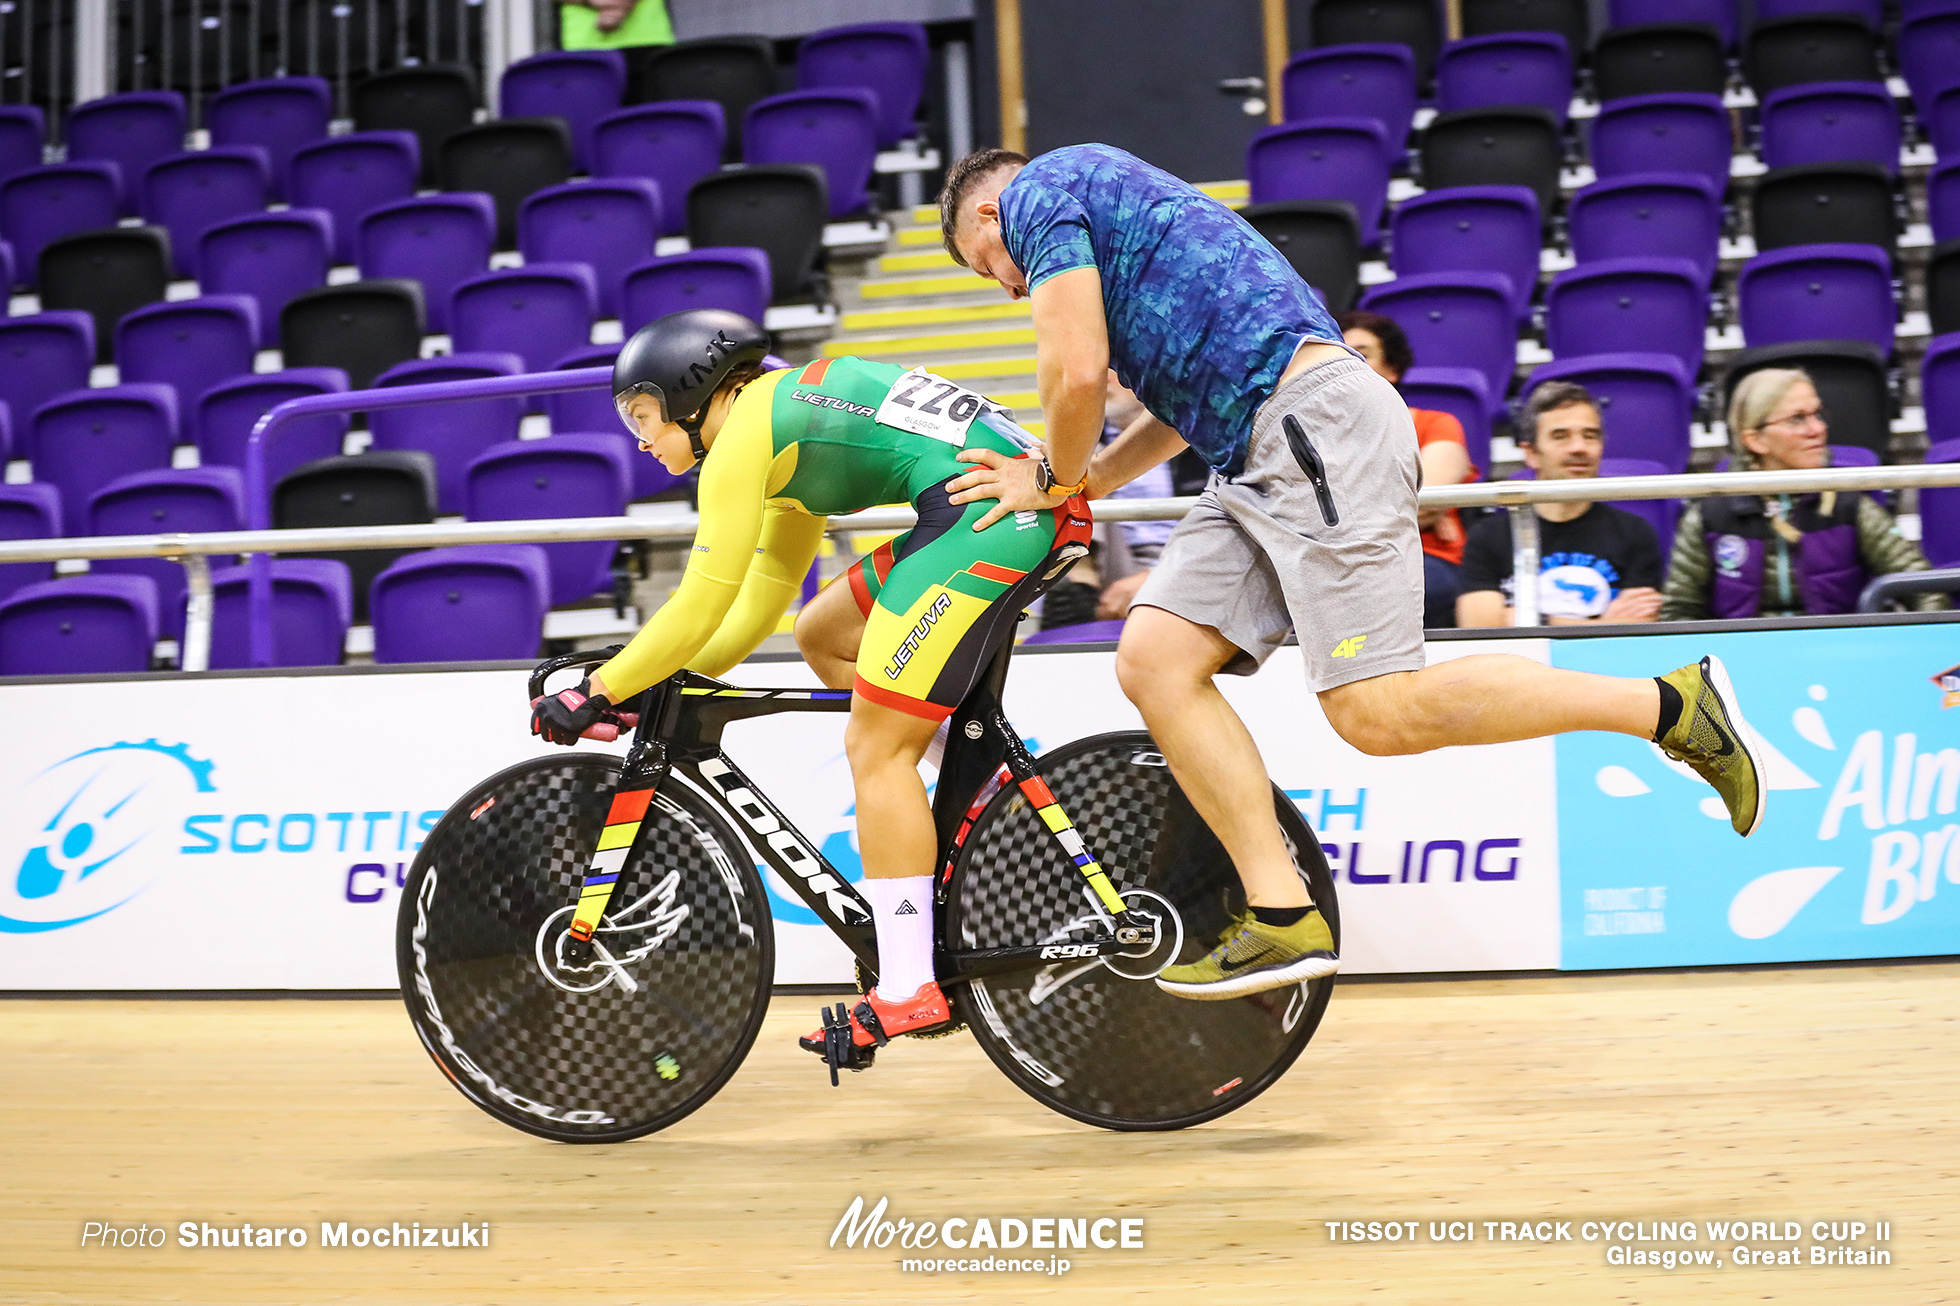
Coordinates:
(878, 737)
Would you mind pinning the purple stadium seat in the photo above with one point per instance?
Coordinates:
(1648, 215)
(1722, 15)
(1455, 319)
(467, 604)
(6, 432)
(280, 115)
(1646, 402)
(6, 268)
(1929, 51)
(312, 606)
(185, 501)
(734, 277)
(79, 625)
(1831, 122)
(1941, 121)
(1788, 294)
(673, 144)
(540, 312)
(1082, 632)
(1464, 394)
(82, 440)
(1355, 81)
(564, 476)
(584, 410)
(23, 133)
(1939, 512)
(225, 414)
(1939, 387)
(189, 345)
(1664, 133)
(41, 205)
(269, 256)
(132, 130)
(41, 355)
(610, 224)
(28, 512)
(348, 175)
(837, 130)
(1661, 303)
(580, 86)
(1470, 229)
(186, 194)
(888, 59)
(1324, 159)
(1869, 10)
(452, 433)
(1483, 72)
(438, 240)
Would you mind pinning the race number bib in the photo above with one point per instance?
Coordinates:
(926, 405)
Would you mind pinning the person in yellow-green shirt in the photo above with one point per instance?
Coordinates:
(912, 628)
(612, 24)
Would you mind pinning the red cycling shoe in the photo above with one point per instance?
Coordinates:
(871, 1024)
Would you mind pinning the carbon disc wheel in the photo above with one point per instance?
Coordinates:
(1080, 1036)
(600, 1052)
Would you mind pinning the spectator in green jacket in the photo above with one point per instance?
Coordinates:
(1782, 555)
(611, 24)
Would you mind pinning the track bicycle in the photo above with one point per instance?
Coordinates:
(586, 950)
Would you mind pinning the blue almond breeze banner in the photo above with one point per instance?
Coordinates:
(1859, 852)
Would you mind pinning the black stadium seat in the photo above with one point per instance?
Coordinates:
(509, 160)
(363, 327)
(1321, 239)
(1943, 287)
(1825, 203)
(1851, 382)
(733, 71)
(1415, 23)
(392, 488)
(1659, 59)
(780, 209)
(106, 274)
(433, 101)
(1568, 18)
(1825, 47)
(1514, 146)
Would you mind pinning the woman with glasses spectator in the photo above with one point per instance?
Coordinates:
(1782, 555)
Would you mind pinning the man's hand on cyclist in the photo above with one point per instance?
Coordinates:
(1009, 480)
(564, 717)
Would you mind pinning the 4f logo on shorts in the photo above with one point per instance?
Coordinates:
(1350, 647)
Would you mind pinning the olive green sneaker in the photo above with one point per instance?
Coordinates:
(1252, 957)
(1712, 738)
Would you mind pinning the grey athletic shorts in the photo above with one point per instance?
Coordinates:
(1259, 556)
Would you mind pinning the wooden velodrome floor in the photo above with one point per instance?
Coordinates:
(1800, 1094)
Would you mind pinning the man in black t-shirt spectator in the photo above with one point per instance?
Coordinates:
(1595, 562)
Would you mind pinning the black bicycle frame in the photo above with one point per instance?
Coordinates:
(679, 731)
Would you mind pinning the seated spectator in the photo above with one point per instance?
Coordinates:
(1445, 461)
(613, 24)
(1127, 551)
(1784, 555)
(1595, 562)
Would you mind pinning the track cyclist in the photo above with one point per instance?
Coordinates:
(911, 630)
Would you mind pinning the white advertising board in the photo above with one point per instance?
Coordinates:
(253, 833)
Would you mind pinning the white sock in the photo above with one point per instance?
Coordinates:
(902, 910)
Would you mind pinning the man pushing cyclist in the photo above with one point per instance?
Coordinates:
(910, 632)
(1308, 524)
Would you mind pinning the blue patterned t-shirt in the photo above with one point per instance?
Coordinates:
(1204, 314)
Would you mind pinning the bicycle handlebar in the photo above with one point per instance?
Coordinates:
(605, 731)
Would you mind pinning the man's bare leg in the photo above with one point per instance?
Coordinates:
(1166, 665)
(1485, 699)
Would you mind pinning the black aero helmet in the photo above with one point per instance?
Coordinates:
(680, 359)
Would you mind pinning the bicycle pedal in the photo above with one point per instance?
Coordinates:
(840, 1046)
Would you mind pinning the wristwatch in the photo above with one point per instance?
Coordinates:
(1044, 480)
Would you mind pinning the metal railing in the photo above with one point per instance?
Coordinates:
(1516, 496)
